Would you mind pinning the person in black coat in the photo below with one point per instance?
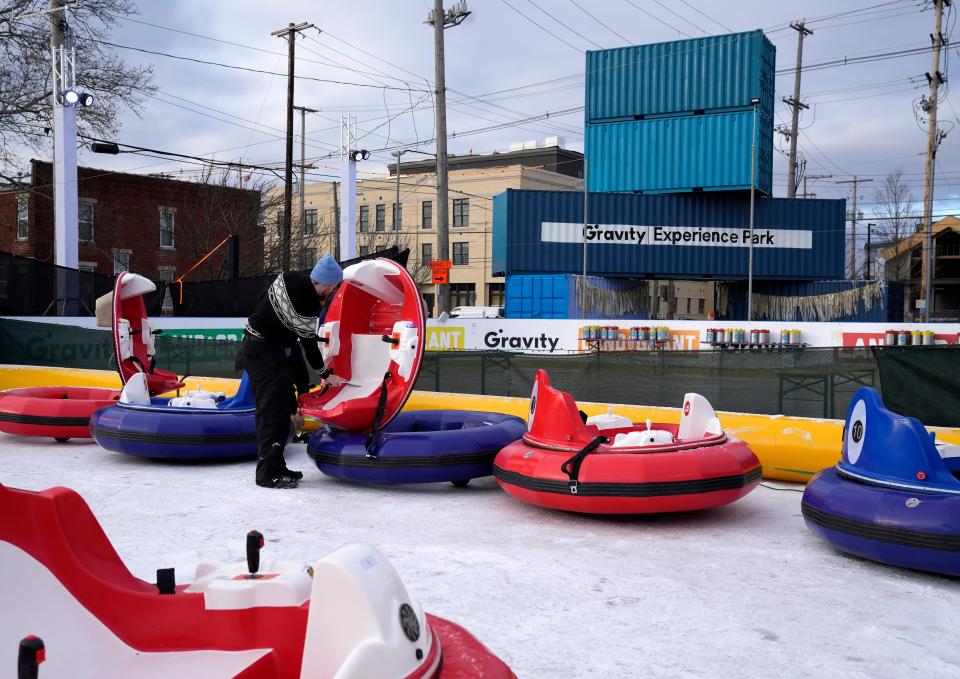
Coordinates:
(278, 333)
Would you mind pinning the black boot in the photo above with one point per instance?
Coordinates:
(272, 470)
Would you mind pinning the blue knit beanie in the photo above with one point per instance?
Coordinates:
(327, 271)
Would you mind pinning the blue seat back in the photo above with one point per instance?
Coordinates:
(879, 444)
(243, 399)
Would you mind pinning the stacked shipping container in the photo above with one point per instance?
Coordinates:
(677, 117)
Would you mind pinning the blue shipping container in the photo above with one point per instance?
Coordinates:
(698, 235)
(555, 296)
(683, 76)
(709, 152)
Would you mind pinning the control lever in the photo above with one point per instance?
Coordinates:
(32, 653)
(255, 543)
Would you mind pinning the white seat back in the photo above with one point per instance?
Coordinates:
(370, 276)
(362, 622)
(404, 353)
(329, 334)
(146, 332)
(125, 340)
(698, 418)
(135, 390)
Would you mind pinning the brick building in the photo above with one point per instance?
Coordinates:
(151, 225)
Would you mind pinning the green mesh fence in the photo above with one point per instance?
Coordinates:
(807, 382)
(923, 382)
(29, 343)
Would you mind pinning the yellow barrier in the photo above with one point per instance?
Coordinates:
(18, 376)
(790, 448)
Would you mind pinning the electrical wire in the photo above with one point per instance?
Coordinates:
(592, 16)
(541, 27)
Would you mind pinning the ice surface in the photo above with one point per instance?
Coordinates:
(743, 591)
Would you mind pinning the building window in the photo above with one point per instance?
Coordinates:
(88, 267)
(310, 221)
(689, 302)
(461, 211)
(167, 222)
(364, 218)
(166, 274)
(86, 211)
(397, 215)
(121, 260)
(463, 294)
(426, 214)
(364, 250)
(701, 305)
(381, 217)
(23, 216)
(496, 294)
(280, 214)
(426, 253)
(461, 253)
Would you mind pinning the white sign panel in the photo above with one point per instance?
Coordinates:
(718, 237)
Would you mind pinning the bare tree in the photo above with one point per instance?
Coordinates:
(895, 211)
(26, 81)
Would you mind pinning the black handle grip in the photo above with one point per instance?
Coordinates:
(32, 653)
(254, 545)
(391, 340)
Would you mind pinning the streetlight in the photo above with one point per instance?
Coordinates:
(396, 206)
(753, 183)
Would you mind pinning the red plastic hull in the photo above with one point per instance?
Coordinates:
(630, 483)
(57, 528)
(57, 412)
(360, 313)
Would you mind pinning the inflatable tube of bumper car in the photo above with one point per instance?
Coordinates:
(59, 412)
(419, 446)
(196, 424)
(606, 464)
(894, 497)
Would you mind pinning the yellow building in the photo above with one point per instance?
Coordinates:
(472, 183)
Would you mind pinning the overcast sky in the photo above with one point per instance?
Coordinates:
(861, 119)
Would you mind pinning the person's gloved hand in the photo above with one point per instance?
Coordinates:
(335, 380)
(297, 420)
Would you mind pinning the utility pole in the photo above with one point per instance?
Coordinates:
(441, 19)
(794, 103)
(935, 78)
(303, 150)
(397, 211)
(811, 177)
(290, 33)
(853, 220)
(869, 254)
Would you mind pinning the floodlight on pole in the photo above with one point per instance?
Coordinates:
(356, 155)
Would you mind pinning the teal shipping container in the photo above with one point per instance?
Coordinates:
(708, 152)
(723, 72)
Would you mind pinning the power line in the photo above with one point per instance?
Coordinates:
(592, 16)
(595, 44)
(724, 26)
(682, 18)
(542, 28)
(656, 18)
(244, 68)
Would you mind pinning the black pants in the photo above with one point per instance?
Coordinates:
(272, 382)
